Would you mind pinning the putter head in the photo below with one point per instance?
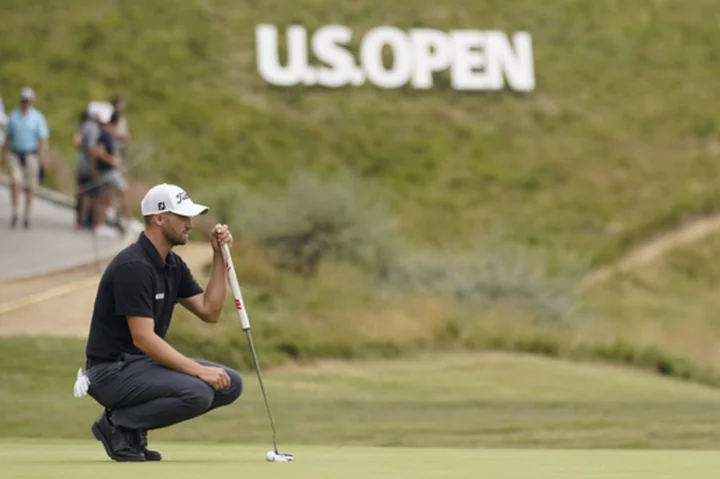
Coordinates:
(274, 456)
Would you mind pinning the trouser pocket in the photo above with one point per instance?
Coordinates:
(104, 379)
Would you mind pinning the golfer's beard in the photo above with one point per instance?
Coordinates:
(174, 239)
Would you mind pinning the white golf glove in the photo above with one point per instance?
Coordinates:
(82, 383)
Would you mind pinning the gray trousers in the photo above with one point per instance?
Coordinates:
(142, 394)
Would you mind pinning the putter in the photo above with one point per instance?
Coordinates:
(274, 455)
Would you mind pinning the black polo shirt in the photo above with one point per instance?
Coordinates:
(137, 282)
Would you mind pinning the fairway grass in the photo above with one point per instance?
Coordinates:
(461, 400)
(41, 459)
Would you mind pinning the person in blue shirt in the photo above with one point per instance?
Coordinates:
(25, 151)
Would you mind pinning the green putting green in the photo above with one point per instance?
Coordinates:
(42, 459)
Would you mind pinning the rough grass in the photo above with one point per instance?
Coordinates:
(619, 139)
(343, 312)
(669, 304)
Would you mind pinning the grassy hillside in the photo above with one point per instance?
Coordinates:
(344, 313)
(618, 140)
(671, 304)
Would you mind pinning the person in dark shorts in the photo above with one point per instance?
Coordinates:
(140, 379)
(113, 184)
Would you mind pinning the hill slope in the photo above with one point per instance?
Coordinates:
(670, 304)
(618, 139)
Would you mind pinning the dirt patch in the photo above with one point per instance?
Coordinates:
(650, 251)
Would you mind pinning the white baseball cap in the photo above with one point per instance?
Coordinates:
(27, 93)
(165, 198)
(101, 111)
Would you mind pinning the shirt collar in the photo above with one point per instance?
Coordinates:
(20, 111)
(151, 251)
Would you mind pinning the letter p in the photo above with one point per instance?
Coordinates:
(432, 51)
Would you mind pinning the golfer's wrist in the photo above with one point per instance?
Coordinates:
(196, 370)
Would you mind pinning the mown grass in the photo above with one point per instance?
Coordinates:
(38, 459)
(427, 400)
(619, 139)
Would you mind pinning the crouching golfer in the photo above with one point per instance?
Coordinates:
(143, 382)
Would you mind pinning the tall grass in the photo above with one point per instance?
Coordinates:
(496, 272)
(317, 220)
(491, 293)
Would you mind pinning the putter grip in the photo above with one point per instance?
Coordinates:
(235, 286)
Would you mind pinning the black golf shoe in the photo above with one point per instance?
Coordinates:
(119, 443)
(142, 443)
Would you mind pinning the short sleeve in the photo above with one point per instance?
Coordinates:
(133, 291)
(43, 128)
(105, 139)
(92, 137)
(188, 286)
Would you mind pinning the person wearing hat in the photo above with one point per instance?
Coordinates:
(25, 152)
(94, 166)
(132, 371)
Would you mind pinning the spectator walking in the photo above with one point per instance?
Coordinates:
(94, 161)
(113, 183)
(84, 172)
(84, 117)
(25, 152)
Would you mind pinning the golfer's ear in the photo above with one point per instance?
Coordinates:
(152, 220)
(141, 329)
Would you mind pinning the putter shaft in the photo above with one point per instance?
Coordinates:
(262, 386)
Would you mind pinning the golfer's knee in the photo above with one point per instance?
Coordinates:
(198, 399)
(236, 384)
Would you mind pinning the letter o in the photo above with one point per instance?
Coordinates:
(371, 57)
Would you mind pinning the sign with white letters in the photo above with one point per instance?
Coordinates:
(475, 59)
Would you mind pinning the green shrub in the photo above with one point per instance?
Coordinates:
(651, 358)
(311, 221)
(495, 271)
